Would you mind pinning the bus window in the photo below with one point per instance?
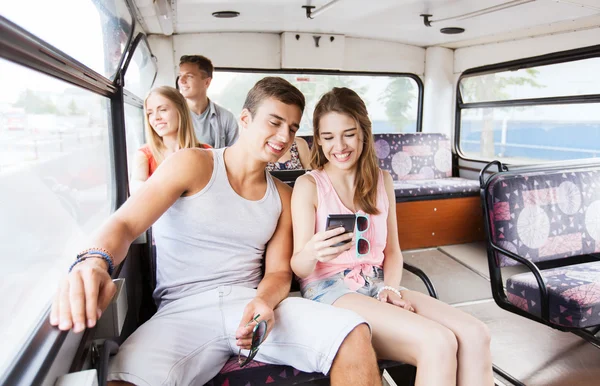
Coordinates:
(56, 187)
(134, 131)
(544, 113)
(141, 70)
(392, 101)
(103, 27)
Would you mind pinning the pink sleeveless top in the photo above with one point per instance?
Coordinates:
(330, 203)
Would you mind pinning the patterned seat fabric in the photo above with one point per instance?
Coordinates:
(258, 373)
(550, 215)
(448, 187)
(421, 165)
(544, 216)
(574, 294)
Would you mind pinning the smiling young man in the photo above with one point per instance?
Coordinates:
(219, 218)
(213, 124)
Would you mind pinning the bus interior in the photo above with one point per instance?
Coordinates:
(486, 113)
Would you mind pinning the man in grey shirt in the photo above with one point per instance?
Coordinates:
(213, 124)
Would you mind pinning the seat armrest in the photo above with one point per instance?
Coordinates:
(423, 277)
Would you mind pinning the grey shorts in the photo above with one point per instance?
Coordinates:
(188, 341)
(330, 289)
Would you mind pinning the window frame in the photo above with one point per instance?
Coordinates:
(128, 58)
(519, 64)
(31, 364)
(416, 78)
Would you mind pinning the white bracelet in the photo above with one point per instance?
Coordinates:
(389, 288)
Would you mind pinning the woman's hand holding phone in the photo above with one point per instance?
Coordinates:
(321, 245)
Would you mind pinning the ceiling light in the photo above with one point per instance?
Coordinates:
(226, 14)
(452, 30)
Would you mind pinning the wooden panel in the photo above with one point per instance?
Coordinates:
(433, 223)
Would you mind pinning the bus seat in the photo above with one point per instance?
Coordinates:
(258, 373)
(421, 166)
(548, 220)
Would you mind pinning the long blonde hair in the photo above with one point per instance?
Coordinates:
(342, 100)
(185, 133)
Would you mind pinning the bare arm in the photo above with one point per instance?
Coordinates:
(275, 285)
(86, 291)
(140, 173)
(303, 152)
(392, 264)
(310, 247)
(177, 175)
(304, 203)
(393, 260)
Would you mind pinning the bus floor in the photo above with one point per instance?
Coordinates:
(530, 352)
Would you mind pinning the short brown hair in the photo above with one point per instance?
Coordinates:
(273, 87)
(203, 63)
(345, 101)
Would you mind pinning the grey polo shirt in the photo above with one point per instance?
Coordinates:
(216, 126)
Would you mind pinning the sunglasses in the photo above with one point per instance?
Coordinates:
(258, 335)
(363, 247)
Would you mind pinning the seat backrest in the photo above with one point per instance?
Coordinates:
(414, 156)
(545, 215)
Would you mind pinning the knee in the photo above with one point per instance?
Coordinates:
(440, 345)
(357, 341)
(475, 335)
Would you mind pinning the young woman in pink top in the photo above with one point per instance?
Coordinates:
(168, 127)
(448, 346)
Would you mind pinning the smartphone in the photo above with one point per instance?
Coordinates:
(341, 220)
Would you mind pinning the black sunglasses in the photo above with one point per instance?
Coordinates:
(258, 335)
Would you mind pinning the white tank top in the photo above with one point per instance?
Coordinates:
(214, 237)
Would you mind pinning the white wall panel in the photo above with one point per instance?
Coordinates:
(162, 48)
(314, 51)
(240, 50)
(438, 99)
(381, 56)
(263, 50)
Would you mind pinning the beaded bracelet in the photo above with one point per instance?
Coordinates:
(89, 250)
(95, 253)
(389, 288)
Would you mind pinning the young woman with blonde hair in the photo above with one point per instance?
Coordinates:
(168, 127)
(447, 346)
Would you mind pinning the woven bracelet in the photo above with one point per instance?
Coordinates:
(95, 253)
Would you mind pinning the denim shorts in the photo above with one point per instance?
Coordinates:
(330, 289)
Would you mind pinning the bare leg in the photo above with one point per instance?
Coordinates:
(473, 336)
(407, 337)
(355, 362)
